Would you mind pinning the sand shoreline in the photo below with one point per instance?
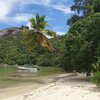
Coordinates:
(62, 88)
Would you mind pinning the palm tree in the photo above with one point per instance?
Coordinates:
(37, 36)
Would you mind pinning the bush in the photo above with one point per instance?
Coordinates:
(96, 78)
(96, 65)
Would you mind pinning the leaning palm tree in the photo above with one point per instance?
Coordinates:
(37, 35)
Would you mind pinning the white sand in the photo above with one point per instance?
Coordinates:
(64, 88)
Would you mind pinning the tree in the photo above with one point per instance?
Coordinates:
(83, 44)
(37, 36)
(96, 6)
(83, 8)
(73, 19)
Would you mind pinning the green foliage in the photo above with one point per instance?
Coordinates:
(96, 78)
(39, 22)
(36, 36)
(82, 44)
(20, 48)
(14, 51)
(73, 19)
(96, 65)
(96, 6)
(83, 8)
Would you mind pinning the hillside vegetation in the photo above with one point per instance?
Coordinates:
(14, 51)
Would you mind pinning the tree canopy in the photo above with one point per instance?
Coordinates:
(37, 36)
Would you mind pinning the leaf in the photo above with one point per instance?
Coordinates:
(43, 41)
(49, 33)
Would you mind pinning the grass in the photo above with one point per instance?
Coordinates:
(6, 72)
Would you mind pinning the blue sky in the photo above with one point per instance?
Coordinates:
(15, 13)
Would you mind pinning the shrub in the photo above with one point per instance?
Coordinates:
(96, 65)
(96, 78)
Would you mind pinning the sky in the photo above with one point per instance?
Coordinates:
(15, 13)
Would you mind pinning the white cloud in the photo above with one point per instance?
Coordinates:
(59, 5)
(60, 33)
(5, 7)
(62, 8)
(28, 24)
(38, 2)
(22, 17)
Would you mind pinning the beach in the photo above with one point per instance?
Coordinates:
(62, 87)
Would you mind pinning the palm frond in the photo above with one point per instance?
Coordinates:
(34, 40)
(36, 37)
(32, 44)
(42, 18)
(33, 23)
(28, 35)
(43, 41)
(49, 33)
